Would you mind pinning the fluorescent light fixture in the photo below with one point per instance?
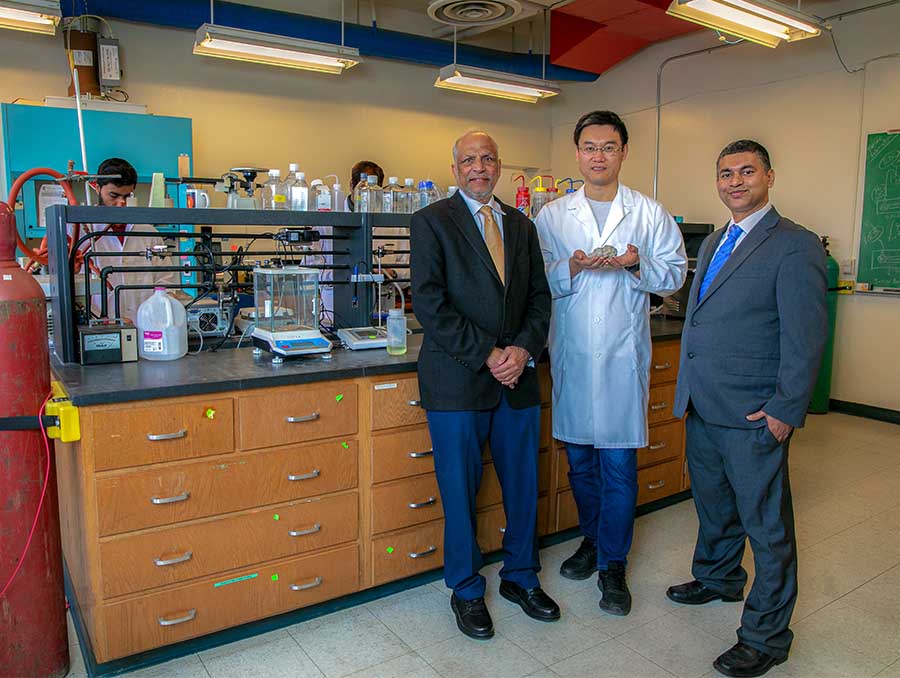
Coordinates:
(495, 83)
(761, 21)
(273, 50)
(34, 16)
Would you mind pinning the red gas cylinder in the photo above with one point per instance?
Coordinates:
(33, 638)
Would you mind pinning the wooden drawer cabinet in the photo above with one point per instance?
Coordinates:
(491, 525)
(544, 464)
(660, 407)
(659, 481)
(148, 434)
(546, 435)
(141, 561)
(544, 379)
(395, 402)
(401, 454)
(298, 414)
(562, 469)
(664, 443)
(189, 490)
(664, 362)
(405, 502)
(490, 492)
(408, 552)
(566, 510)
(241, 596)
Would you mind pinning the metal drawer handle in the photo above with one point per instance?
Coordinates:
(419, 455)
(299, 420)
(172, 622)
(315, 473)
(658, 446)
(414, 403)
(659, 406)
(183, 558)
(502, 530)
(665, 366)
(300, 533)
(656, 485)
(422, 554)
(184, 496)
(311, 585)
(422, 504)
(167, 436)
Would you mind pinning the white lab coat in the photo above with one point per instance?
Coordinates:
(130, 299)
(600, 327)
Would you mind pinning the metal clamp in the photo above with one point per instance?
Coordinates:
(659, 406)
(300, 533)
(414, 403)
(183, 558)
(665, 366)
(422, 504)
(422, 554)
(656, 485)
(184, 496)
(315, 473)
(167, 436)
(180, 620)
(299, 420)
(658, 446)
(419, 455)
(311, 585)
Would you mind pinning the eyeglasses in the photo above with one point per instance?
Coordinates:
(606, 149)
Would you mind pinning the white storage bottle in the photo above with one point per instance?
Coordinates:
(161, 327)
(396, 332)
(392, 197)
(409, 196)
(299, 194)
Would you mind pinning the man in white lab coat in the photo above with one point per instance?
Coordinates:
(600, 341)
(117, 240)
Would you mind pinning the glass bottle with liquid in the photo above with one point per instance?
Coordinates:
(396, 332)
(392, 197)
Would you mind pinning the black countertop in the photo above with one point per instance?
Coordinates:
(238, 370)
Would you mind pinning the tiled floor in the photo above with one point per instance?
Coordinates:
(846, 480)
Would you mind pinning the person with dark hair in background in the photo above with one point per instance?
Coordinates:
(754, 335)
(606, 248)
(115, 193)
(366, 167)
(480, 292)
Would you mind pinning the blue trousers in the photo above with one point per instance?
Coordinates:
(458, 439)
(604, 483)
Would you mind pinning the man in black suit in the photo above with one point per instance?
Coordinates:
(480, 293)
(753, 339)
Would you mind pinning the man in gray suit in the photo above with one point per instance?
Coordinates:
(753, 339)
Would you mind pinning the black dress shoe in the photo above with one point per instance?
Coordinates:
(696, 593)
(536, 603)
(743, 661)
(615, 598)
(472, 617)
(582, 564)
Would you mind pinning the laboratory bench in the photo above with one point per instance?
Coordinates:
(220, 489)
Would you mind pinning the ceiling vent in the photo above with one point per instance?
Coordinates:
(466, 13)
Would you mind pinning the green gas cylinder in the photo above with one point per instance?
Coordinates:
(822, 392)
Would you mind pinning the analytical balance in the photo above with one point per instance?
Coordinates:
(287, 311)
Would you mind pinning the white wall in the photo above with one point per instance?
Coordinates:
(811, 115)
(249, 114)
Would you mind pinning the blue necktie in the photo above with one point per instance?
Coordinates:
(721, 256)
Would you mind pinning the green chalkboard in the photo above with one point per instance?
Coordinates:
(879, 238)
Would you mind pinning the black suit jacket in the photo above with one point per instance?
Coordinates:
(466, 311)
(755, 340)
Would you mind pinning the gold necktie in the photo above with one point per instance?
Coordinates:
(493, 240)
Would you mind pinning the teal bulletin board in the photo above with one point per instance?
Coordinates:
(879, 237)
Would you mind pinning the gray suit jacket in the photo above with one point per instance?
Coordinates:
(755, 340)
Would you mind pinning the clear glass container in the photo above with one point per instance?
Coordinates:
(286, 299)
(396, 332)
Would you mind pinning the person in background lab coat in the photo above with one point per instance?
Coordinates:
(115, 193)
(600, 342)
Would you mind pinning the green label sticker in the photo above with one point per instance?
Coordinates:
(390, 549)
(339, 397)
(276, 517)
(274, 577)
(235, 580)
(210, 413)
(345, 445)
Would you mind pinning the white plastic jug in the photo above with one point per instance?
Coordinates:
(161, 327)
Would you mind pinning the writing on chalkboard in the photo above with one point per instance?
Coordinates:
(879, 246)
